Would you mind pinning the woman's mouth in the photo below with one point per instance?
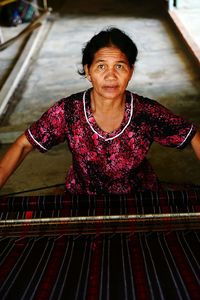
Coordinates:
(110, 88)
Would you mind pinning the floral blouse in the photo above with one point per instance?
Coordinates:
(109, 163)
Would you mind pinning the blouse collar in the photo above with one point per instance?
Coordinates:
(94, 126)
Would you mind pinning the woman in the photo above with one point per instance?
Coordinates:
(109, 130)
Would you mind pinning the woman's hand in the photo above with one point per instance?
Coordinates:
(195, 142)
(13, 158)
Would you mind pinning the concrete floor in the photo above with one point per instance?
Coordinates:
(164, 72)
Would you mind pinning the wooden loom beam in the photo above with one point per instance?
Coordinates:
(22, 64)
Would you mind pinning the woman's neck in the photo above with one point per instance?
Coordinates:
(108, 114)
(101, 105)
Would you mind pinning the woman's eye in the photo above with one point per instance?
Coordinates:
(119, 66)
(101, 67)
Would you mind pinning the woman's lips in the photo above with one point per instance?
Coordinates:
(110, 88)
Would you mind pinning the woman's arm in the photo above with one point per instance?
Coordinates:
(13, 158)
(195, 142)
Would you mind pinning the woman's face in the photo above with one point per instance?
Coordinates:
(109, 73)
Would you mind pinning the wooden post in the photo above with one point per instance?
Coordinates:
(45, 5)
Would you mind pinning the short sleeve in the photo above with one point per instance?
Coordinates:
(167, 128)
(49, 130)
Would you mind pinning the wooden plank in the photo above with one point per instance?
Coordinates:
(191, 44)
(22, 34)
(19, 69)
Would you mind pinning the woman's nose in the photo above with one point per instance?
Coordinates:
(111, 74)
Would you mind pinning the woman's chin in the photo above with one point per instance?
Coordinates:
(110, 92)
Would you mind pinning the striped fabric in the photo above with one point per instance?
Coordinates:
(114, 266)
(142, 202)
(129, 265)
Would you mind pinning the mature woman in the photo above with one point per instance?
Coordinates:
(109, 130)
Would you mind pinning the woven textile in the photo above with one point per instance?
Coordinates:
(113, 266)
(151, 202)
(152, 264)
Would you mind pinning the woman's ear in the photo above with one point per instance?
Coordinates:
(86, 69)
(132, 69)
(131, 72)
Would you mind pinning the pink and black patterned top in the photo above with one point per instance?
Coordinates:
(109, 163)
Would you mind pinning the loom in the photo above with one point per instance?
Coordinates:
(138, 246)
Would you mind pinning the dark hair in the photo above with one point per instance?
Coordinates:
(109, 37)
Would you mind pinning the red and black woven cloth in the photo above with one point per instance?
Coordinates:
(162, 263)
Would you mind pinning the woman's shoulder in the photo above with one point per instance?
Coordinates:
(69, 103)
(142, 100)
(72, 105)
(143, 103)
